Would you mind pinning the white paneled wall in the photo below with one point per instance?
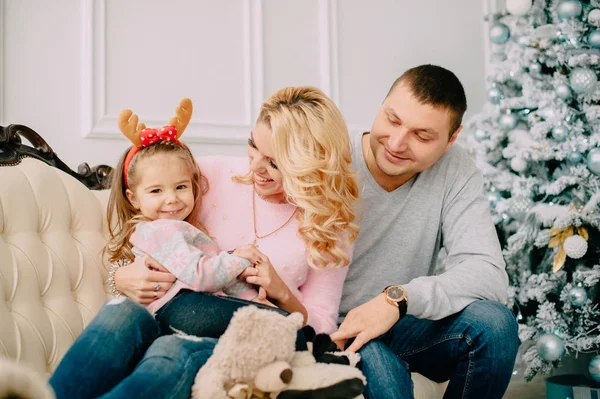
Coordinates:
(67, 67)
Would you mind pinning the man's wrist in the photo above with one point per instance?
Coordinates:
(396, 296)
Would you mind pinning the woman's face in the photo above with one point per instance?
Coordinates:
(268, 181)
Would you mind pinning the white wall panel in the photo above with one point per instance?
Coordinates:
(67, 67)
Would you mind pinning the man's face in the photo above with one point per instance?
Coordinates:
(407, 137)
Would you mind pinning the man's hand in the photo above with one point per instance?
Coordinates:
(366, 322)
(140, 280)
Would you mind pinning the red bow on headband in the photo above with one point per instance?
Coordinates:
(149, 136)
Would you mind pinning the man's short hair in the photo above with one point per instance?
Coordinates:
(438, 87)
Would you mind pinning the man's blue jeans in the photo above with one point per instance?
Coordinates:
(475, 349)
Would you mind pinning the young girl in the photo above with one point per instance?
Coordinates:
(155, 201)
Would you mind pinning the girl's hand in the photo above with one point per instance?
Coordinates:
(140, 280)
(248, 252)
(265, 276)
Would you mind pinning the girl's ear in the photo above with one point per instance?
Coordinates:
(132, 198)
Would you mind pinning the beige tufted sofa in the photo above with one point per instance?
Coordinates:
(52, 280)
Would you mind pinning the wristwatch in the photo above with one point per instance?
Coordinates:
(396, 295)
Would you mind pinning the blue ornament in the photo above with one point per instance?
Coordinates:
(495, 94)
(508, 121)
(550, 347)
(568, 9)
(499, 33)
(578, 296)
(593, 161)
(493, 197)
(560, 133)
(563, 91)
(583, 80)
(594, 39)
(574, 158)
(480, 135)
(594, 368)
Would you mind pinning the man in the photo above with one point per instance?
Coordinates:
(420, 192)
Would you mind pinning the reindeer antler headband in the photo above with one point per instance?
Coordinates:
(141, 136)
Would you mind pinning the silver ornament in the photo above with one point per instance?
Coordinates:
(578, 296)
(560, 133)
(594, 17)
(495, 94)
(594, 368)
(535, 68)
(575, 158)
(499, 33)
(594, 39)
(550, 347)
(569, 9)
(480, 135)
(493, 198)
(519, 165)
(520, 206)
(563, 91)
(508, 121)
(593, 161)
(575, 246)
(583, 80)
(518, 7)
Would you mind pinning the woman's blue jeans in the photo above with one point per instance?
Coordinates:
(124, 352)
(475, 349)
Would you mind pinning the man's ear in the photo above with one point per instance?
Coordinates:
(453, 138)
(132, 198)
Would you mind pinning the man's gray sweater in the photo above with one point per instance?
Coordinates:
(402, 231)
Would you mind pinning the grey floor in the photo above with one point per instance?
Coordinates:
(518, 389)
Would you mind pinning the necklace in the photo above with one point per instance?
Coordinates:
(256, 236)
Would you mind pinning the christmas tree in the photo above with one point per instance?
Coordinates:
(537, 142)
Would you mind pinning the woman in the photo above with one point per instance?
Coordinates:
(295, 202)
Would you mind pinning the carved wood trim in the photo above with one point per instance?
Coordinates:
(12, 151)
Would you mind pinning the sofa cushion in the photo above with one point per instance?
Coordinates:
(52, 280)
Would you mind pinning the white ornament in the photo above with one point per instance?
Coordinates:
(518, 164)
(594, 17)
(575, 247)
(518, 7)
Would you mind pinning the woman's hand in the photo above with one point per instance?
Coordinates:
(144, 280)
(265, 276)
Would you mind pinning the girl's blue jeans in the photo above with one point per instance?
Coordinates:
(125, 352)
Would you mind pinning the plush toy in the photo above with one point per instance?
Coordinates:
(323, 371)
(314, 380)
(252, 355)
(256, 358)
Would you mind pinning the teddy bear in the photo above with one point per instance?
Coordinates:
(254, 352)
(256, 358)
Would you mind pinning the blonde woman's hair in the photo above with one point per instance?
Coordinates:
(312, 150)
(122, 216)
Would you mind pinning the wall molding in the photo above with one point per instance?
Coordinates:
(97, 124)
(328, 49)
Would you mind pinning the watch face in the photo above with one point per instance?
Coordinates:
(395, 293)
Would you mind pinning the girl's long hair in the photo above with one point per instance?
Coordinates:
(122, 217)
(313, 152)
